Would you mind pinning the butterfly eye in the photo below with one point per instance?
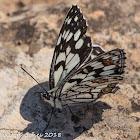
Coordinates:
(45, 96)
(48, 97)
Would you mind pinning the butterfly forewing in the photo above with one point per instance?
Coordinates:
(73, 47)
(74, 27)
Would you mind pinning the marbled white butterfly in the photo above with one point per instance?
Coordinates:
(80, 71)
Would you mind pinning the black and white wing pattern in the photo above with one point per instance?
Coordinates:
(73, 48)
(80, 71)
(95, 78)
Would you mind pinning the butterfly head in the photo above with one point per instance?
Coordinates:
(47, 98)
(54, 102)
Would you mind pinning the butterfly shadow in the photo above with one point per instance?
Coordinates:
(63, 124)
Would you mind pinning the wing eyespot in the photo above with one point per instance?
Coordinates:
(108, 61)
(107, 90)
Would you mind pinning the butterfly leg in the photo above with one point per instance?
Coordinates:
(39, 92)
(49, 120)
(70, 109)
(74, 118)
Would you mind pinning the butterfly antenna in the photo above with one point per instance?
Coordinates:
(35, 80)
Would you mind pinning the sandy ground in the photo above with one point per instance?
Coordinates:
(28, 34)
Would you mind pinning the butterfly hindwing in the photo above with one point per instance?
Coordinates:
(105, 65)
(91, 90)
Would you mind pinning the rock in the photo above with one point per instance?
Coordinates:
(28, 35)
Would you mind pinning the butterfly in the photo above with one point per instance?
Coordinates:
(80, 71)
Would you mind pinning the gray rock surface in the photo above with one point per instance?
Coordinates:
(28, 33)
